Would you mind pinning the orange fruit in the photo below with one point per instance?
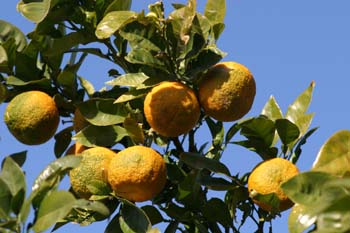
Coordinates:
(171, 109)
(32, 117)
(227, 91)
(92, 168)
(76, 148)
(137, 173)
(267, 177)
(79, 121)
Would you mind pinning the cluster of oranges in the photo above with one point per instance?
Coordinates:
(225, 92)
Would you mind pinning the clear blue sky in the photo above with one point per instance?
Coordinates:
(286, 45)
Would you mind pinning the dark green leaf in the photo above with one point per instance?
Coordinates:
(231, 132)
(103, 112)
(56, 169)
(5, 200)
(287, 131)
(15, 81)
(135, 218)
(34, 11)
(19, 157)
(200, 162)
(62, 141)
(213, 183)
(92, 207)
(216, 130)
(145, 57)
(153, 214)
(107, 136)
(8, 31)
(296, 112)
(215, 210)
(172, 227)
(334, 155)
(297, 151)
(53, 208)
(114, 225)
(3, 88)
(139, 41)
(13, 176)
(112, 22)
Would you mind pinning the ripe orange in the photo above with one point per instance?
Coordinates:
(267, 177)
(227, 91)
(137, 173)
(92, 168)
(32, 117)
(171, 109)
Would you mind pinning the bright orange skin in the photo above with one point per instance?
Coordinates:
(32, 117)
(267, 178)
(137, 173)
(93, 166)
(227, 91)
(171, 109)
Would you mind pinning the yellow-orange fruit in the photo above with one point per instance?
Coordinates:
(137, 173)
(171, 109)
(267, 177)
(227, 91)
(32, 117)
(92, 167)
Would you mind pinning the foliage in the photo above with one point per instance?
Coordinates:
(149, 47)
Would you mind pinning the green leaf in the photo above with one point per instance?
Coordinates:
(297, 151)
(215, 210)
(134, 130)
(296, 112)
(216, 130)
(215, 11)
(136, 80)
(8, 31)
(300, 219)
(15, 81)
(334, 221)
(139, 41)
(214, 183)
(56, 169)
(107, 136)
(131, 95)
(95, 207)
(62, 141)
(307, 188)
(272, 110)
(103, 112)
(119, 5)
(3, 90)
(135, 218)
(53, 208)
(19, 157)
(13, 176)
(98, 187)
(112, 22)
(5, 200)
(198, 161)
(153, 214)
(287, 131)
(334, 155)
(34, 11)
(114, 225)
(88, 87)
(145, 57)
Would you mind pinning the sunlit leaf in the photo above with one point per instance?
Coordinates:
(53, 208)
(200, 162)
(145, 57)
(136, 80)
(119, 5)
(103, 112)
(131, 95)
(272, 110)
(134, 130)
(135, 218)
(215, 11)
(139, 41)
(34, 11)
(19, 157)
(8, 31)
(57, 168)
(112, 22)
(334, 155)
(107, 136)
(300, 219)
(88, 87)
(296, 112)
(15, 81)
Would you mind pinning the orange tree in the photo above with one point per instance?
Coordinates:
(150, 48)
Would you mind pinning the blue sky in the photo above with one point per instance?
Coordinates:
(285, 44)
